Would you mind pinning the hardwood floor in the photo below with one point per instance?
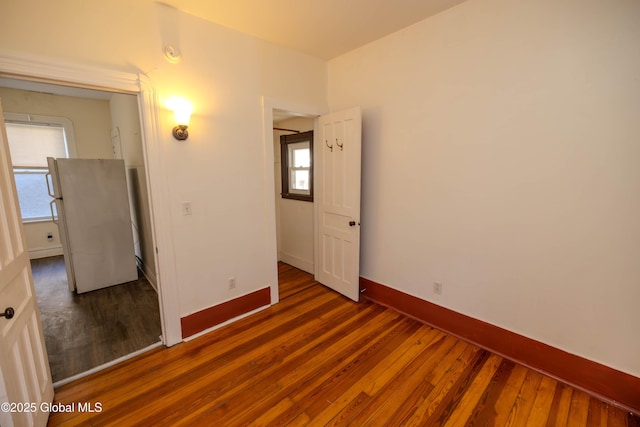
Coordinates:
(87, 330)
(317, 358)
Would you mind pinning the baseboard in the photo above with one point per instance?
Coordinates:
(212, 316)
(297, 262)
(148, 274)
(104, 366)
(38, 253)
(608, 384)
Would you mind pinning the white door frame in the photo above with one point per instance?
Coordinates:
(46, 70)
(271, 250)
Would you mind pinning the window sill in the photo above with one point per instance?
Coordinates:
(301, 197)
(36, 220)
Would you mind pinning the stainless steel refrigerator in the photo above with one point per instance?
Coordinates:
(93, 216)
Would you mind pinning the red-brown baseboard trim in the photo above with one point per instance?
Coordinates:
(613, 386)
(212, 316)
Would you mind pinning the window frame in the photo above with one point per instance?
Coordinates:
(35, 171)
(41, 120)
(285, 142)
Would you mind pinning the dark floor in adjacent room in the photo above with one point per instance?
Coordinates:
(87, 330)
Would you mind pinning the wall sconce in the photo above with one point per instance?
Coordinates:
(182, 112)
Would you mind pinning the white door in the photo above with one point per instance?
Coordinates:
(26, 388)
(337, 146)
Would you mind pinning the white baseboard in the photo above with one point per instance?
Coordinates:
(107, 365)
(300, 263)
(150, 275)
(37, 253)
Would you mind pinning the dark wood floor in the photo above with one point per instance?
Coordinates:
(317, 358)
(87, 330)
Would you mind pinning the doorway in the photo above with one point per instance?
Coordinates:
(105, 338)
(294, 211)
(274, 110)
(337, 167)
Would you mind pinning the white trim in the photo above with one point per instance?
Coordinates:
(37, 253)
(271, 249)
(106, 365)
(297, 262)
(51, 71)
(159, 203)
(148, 274)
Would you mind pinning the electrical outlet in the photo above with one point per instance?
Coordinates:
(50, 236)
(232, 283)
(437, 288)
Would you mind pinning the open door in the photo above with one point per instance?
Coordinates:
(26, 389)
(337, 147)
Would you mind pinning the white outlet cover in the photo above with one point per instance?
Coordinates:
(437, 288)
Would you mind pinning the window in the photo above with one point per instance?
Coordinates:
(32, 194)
(297, 166)
(31, 140)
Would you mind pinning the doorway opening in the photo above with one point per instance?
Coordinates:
(275, 111)
(336, 211)
(83, 332)
(294, 208)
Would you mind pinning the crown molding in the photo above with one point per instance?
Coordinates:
(48, 70)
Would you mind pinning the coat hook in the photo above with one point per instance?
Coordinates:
(339, 145)
(330, 146)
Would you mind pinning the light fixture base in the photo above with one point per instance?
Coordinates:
(180, 132)
(172, 54)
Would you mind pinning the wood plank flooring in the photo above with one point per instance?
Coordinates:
(87, 330)
(317, 358)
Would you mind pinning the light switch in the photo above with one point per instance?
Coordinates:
(186, 208)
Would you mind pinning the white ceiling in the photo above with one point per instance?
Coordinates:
(321, 28)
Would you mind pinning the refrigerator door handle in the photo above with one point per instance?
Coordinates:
(53, 217)
(47, 177)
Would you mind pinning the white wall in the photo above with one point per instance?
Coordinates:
(125, 128)
(91, 126)
(500, 153)
(294, 218)
(91, 118)
(126, 134)
(292, 77)
(220, 169)
(501, 158)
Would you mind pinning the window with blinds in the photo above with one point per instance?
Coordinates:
(30, 145)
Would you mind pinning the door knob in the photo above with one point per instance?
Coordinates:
(8, 313)
(352, 223)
